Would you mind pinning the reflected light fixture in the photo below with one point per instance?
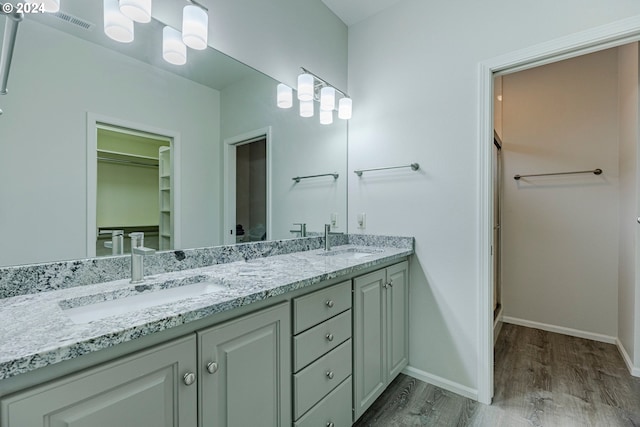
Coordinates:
(195, 26)
(344, 108)
(327, 98)
(136, 10)
(51, 6)
(312, 88)
(306, 108)
(305, 87)
(173, 50)
(326, 117)
(284, 96)
(117, 26)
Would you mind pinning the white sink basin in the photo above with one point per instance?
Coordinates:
(351, 253)
(126, 304)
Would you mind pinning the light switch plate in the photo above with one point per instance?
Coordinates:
(334, 219)
(362, 221)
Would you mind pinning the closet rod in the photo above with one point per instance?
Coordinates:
(298, 178)
(595, 172)
(413, 166)
(128, 162)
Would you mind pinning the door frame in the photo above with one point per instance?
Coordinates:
(582, 43)
(229, 180)
(93, 122)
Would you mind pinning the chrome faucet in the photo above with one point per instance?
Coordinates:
(302, 231)
(117, 241)
(138, 252)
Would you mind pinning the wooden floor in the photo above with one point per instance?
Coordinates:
(541, 379)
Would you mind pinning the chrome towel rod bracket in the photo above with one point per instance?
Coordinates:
(595, 172)
(413, 166)
(298, 178)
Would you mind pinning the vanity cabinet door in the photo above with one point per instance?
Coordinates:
(245, 371)
(381, 330)
(369, 352)
(148, 388)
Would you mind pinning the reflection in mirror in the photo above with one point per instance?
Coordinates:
(67, 76)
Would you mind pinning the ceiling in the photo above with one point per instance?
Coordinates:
(353, 11)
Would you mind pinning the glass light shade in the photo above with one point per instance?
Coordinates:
(195, 27)
(116, 25)
(285, 96)
(306, 108)
(305, 87)
(327, 98)
(136, 10)
(344, 108)
(51, 6)
(326, 117)
(173, 50)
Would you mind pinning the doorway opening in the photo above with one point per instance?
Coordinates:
(600, 38)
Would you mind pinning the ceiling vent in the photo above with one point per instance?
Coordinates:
(74, 20)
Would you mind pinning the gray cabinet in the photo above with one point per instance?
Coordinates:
(245, 375)
(148, 388)
(381, 326)
(322, 356)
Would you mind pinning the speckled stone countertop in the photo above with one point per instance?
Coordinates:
(35, 331)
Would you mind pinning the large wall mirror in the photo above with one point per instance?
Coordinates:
(98, 135)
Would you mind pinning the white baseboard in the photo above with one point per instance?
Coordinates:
(560, 330)
(444, 383)
(627, 360)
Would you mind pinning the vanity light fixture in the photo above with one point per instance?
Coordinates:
(195, 26)
(51, 6)
(173, 50)
(312, 88)
(284, 96)
(116, 25)
(136, 10)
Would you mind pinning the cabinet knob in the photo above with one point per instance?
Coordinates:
(330, 424)
(330, 375)
(329, 337)
(329, 303)
(391, 282)
(212, 367)
(189, 378)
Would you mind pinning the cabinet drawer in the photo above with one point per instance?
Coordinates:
(335, 408)
(318, 379)
(314, 308)
(320, 339)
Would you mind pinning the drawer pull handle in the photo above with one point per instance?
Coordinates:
(329, 337)
(330, 424)
(330, 375)
(212, 367)
(329, 303)
(189, 378)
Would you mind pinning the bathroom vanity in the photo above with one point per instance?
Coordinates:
(308, 337)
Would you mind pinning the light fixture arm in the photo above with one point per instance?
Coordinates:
(323, 81)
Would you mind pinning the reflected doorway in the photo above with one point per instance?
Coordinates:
(247, 187)
(133, 189)
(251, 191)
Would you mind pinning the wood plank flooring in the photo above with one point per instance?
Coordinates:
(541, 379)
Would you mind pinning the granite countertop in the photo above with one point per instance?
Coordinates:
(35, 331)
